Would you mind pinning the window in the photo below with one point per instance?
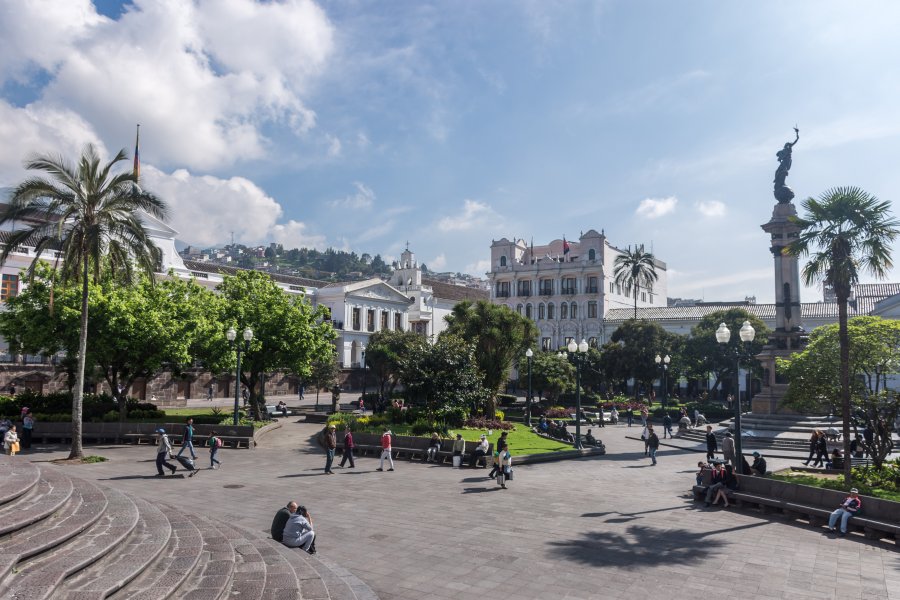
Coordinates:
(592, 310)
(573, 311)
(568, 286)
(398, 321)
(592, 285)
(592, 254)
(357, 324)
(527, 311)
(384, 319)
(541, 314)
(519, 309)
(9, 288)
(563, 310)
(503, 289)
(618, 289)
(643, 296)
(612, 287)
(550, 311)
(546, 287)
(546, 344)
(523, 288)
(502, 261)
(370, 319)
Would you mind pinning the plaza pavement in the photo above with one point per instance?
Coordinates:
(603, 527)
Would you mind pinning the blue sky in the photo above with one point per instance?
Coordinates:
(361, 125)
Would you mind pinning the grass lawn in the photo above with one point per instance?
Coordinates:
(834, 482)
(521, 441)
(193, 412)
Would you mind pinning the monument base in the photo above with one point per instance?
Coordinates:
(770, 399)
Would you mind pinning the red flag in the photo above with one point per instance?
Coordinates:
(565, 246)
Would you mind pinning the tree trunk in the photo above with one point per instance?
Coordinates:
(78, 396)
(844, 338)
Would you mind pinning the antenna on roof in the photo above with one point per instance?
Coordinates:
(232, 238)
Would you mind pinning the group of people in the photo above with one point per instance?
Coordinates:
(164, 449)
(293, 527)
(13, 439)
(554, 429)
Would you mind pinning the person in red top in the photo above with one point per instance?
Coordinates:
(386, 450)
(348, 448)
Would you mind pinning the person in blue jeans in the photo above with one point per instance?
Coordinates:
(652, 443)
(214, 445)
(847, 509)
(187, 440)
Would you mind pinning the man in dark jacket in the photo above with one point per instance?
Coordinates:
(348, 448)
(652, 443)
(281, 518)
(330, 445)
(759, 465)
(711, 443)
(667, 426)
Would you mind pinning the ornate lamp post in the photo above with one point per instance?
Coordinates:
(723, 334)
(578, 352)
(528, 355)
(365, 371)
(664, 364)
(231, 335)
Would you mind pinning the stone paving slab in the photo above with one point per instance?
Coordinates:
(603, 527)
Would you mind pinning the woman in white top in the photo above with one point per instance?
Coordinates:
(505, 466)
(11, 441)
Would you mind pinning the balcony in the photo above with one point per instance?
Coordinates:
(504, 294)
(546, 292)
(592, 290)
(567, 292)
(524, 294)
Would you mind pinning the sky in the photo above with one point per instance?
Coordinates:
(364, 125)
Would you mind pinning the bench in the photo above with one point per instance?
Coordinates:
(879, 518)
(273, 412)
(410, 447)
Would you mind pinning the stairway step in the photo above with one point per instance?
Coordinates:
(37, 579)
(115, 570)
(17, 477)
(251, 571)
(41, 501)
(212, 574)
(173, 565)
(84, 507)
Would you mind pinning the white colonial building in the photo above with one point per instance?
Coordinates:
(566, 293)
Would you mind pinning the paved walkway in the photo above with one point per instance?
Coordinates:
(604, 527)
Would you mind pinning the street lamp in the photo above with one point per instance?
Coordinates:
(723, 334)
(231, 335)
(528, 355)
(664, 363)
(578, 352)
(365, 368)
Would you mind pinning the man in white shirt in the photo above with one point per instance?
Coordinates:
(480, 452)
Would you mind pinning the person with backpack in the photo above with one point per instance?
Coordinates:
(652, 443)
(214, 444)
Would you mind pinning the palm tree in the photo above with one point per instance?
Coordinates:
(846, 230)
(634, 270)
(89, 216)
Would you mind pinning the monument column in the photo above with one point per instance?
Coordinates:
(789, 335)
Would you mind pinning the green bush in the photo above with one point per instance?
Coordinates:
(505, 399)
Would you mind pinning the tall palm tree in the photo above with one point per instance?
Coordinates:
(90, 216)
(845, 231)
(634, 270)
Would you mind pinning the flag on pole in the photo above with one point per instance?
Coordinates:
(565, 246)
(137, 153)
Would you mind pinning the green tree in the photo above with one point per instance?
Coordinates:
(846, 231)
(443, 376)
(89, 215)
(500, 337)
(324, 373)
(635, 269)
(635, 345)
(814, 375)
(550, 375)
(704, 355)
(385, 354)
(288, 333)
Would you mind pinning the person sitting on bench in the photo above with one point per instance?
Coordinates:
(716, 481)
(589, 439)
(480, 452)
(850, 507)
(759, 465)
(433, 447)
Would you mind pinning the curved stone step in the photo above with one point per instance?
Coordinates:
(117, 569)
(173, 565)
(37, 579)
(17, 476)
(41, 501)
(84, 507)
(213, 572)
(250, 569)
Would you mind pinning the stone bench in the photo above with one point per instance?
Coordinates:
(879, 518)
(410, 447)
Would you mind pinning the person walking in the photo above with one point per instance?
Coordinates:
(645, 414)
(711, 443)
(330, 445)
(27, 430)
(667, 426)
(209, 393)
(348, 448)
(386, 450)
(187, 440)
(214, 444)
(813, 442)
(728, 449)
(645, 434)
(504, 467)
(821, 450)
(163, 451)
(629, 415)
(652, 443)
(11, 441)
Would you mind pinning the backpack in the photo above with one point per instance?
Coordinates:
(218, 442)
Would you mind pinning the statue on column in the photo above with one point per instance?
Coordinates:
(783, 193)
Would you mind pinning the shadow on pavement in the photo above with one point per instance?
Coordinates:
(642, 547)
(479, 490)
(122, 477)
(316, 474)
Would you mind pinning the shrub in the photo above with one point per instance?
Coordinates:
(558, 412)
(506, 399)
(482, 423)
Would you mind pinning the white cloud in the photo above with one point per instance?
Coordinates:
(710, 208)
(478, 268)
(334, 146)
(438, 262)
(653, 208)
(206, 210)
(474, 215)
(364, 198)
(205, 78)
(375, 231)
